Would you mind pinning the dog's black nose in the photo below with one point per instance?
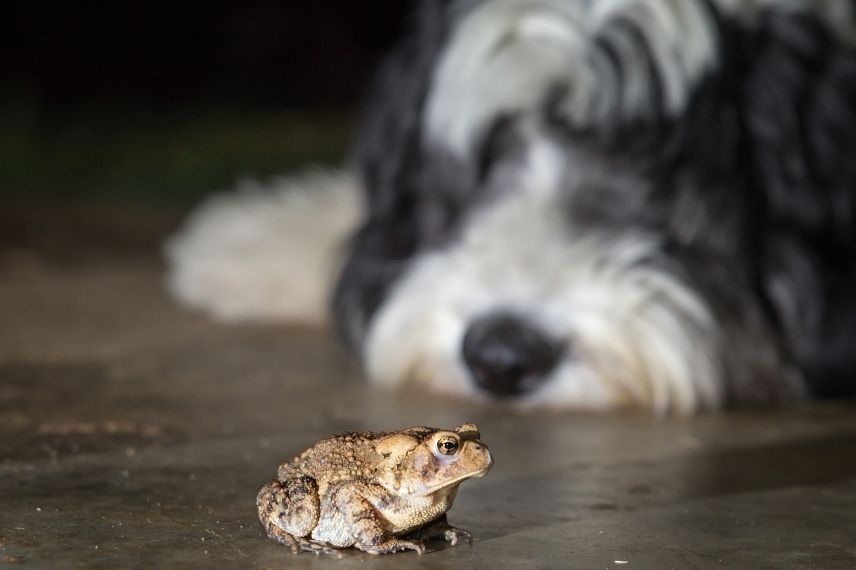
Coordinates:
(507, 356)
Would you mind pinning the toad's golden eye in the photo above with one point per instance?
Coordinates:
(447, 445)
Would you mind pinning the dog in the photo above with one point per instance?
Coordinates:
(575, 204)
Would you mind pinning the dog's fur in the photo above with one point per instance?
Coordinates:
(655, 197)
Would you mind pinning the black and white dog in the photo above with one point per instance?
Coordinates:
(579, 204)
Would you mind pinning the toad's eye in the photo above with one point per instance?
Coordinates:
(447, 445)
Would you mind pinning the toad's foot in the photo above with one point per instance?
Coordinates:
(394, 545)
(441, 529)
(318, 548)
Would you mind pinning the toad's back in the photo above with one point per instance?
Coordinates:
(349, 456)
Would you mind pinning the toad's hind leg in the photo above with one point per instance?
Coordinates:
(288, 510)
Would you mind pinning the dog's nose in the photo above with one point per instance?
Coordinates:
(507, 356)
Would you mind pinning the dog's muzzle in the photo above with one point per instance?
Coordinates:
(507, 356)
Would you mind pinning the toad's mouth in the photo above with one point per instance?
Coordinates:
(456, 480)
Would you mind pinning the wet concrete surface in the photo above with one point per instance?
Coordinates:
(136, 435)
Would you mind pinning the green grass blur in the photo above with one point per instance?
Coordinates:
(175, 156)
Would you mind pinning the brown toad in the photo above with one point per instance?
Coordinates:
(379, 492)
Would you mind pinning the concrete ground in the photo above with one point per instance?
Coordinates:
(134, 434)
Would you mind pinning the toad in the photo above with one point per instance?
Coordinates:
(378, 492)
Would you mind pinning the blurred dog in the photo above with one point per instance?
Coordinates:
(578, 204)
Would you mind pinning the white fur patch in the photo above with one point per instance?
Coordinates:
(266, 252)
(635, 334)
(507, 55)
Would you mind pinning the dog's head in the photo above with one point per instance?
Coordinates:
(564, 211)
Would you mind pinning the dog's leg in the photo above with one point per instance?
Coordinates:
(266, 253)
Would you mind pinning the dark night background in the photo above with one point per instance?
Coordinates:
(164, 102)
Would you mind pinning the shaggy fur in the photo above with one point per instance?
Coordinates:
(580, 204)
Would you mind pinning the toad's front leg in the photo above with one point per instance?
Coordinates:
(440, 528)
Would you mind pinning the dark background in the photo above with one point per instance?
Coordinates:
(165, 102)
